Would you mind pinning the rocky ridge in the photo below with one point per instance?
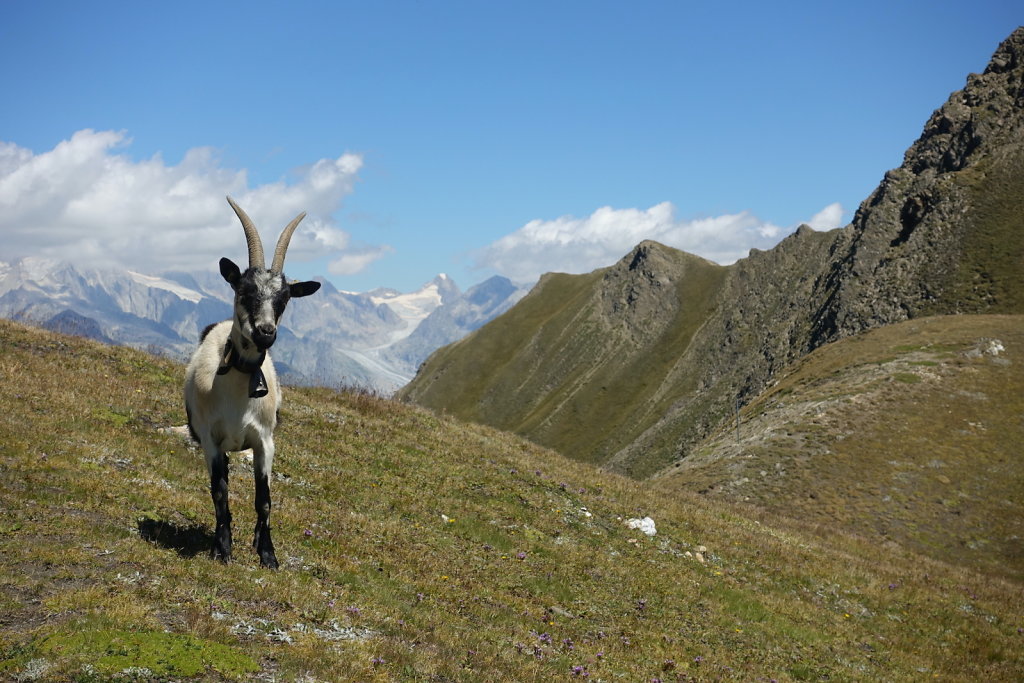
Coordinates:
(940, 235)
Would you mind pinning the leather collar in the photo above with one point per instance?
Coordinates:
(232, 360)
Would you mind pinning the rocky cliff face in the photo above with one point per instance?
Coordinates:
(685, 345)
(933, 237)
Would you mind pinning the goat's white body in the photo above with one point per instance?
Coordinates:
(219, 408)
(229, 410)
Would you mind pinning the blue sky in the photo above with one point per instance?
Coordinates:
(471, 138)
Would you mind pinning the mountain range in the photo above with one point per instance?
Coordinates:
(373, 340)
(633, 365)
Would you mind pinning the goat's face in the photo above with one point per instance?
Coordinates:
(260, 299)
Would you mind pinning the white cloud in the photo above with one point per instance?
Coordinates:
(87, 201)
(828, 218)
(355, 260)
(579, 245)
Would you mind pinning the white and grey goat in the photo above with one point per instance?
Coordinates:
(232, 395)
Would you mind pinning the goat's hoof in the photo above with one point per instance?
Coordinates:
(268, 561)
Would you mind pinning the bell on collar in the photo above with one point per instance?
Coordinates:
(257, 384)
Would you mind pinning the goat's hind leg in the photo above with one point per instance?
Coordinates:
(217, 464)
(263, 459)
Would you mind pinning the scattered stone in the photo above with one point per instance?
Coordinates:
(646, 525)
(986, 347)
(555, 609)
(180, 431)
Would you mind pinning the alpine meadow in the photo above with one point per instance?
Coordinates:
(804, 466)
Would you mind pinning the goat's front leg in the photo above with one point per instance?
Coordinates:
(217, 464)
(263, 459)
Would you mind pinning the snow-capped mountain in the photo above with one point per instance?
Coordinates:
(452, 321)
(416, 306)
(335, 338)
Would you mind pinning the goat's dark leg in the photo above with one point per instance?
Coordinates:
(218, 467)
(263, 458)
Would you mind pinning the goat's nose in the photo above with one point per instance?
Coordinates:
(264, 335)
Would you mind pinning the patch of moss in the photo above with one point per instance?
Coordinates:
(161, 654)
(118, 418)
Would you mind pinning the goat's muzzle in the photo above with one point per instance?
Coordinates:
(264, 336)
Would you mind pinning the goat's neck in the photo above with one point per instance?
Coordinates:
(245, 348)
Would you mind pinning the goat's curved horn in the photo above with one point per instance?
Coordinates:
(282, 243)
(252, 237)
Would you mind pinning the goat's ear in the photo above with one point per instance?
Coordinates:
(230, 271)
(297, 289)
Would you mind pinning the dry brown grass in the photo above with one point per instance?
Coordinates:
(908, 434)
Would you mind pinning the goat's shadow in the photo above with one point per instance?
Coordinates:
(186, 541)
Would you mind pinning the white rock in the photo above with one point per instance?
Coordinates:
(646, 525)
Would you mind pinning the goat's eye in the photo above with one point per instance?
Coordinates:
(280, 301)
(247, 299)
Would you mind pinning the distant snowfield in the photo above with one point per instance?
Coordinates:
(413, 308)
(390, 379)
(180, 291)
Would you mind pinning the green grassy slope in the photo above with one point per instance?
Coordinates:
(990, 276)
(562, 370)
(418, 548)
(910, 433)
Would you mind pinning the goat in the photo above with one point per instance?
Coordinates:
(232, 396)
